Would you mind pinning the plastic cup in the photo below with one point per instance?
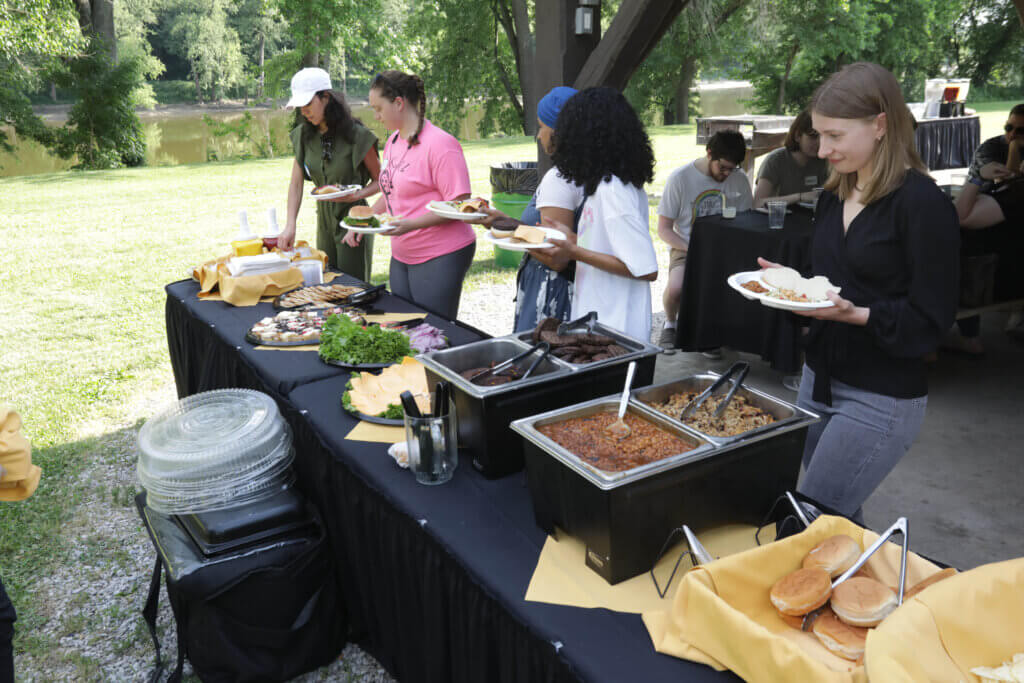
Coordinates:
(433, 447)
(776, 213)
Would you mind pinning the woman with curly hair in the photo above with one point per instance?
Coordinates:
(331, 148)
(430, 255)
(601, 146)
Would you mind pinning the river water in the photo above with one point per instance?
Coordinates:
(182, 136)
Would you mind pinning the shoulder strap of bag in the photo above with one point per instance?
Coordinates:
(149, 613)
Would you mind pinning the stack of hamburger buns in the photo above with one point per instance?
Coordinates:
(859, 603)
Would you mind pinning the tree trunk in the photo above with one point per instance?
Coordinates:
(526, 48)
(199, 91)
(53, 91)
(262, 76)
(1019, 4)
(785, 79)
(682, 97)
(344, 73)
(311, 59)
(96, 18)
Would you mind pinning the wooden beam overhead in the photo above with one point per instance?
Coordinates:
(636, 29)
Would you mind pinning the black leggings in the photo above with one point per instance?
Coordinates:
(435, 285)
(7, 617)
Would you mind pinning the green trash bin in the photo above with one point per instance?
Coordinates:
(513, 205)
(512, 185)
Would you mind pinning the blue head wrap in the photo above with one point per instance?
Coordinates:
(551, 104)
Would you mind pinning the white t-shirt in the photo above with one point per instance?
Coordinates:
(691, 194)
(556, 191)
(615, 221)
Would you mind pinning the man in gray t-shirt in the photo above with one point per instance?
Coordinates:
(692, 191)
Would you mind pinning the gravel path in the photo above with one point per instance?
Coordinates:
(92, 604)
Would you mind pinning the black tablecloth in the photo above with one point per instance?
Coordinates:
(209, 361)
(433, 577)
(948, 143)
(712, 314)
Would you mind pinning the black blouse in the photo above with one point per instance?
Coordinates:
(900, 258)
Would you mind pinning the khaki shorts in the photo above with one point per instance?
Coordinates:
(676, 258)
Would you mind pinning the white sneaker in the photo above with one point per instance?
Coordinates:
(712, 354)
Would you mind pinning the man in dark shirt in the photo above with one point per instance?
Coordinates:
(990, 158)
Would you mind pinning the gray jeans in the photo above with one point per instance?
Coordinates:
(858, 441)
(436, 285)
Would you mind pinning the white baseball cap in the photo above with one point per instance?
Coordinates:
(306, 83)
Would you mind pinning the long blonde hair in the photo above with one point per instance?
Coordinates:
(863, 91)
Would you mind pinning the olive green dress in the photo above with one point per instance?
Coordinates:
(344, 167)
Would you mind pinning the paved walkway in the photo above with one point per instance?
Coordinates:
(962, 483)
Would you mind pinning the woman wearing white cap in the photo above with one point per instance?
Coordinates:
(331, 148)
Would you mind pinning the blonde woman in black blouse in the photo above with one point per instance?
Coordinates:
(888, 236)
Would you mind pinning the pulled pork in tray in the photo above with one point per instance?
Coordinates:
(739, 415)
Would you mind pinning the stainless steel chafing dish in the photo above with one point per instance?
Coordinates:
(603, 479)
(636, 348)
(484, 413)
(786, 414)
(624, 517)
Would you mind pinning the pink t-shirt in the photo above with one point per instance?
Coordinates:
(435, 169)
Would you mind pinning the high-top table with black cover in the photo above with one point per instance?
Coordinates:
(433, 577)
(712, 314)
(948, 142)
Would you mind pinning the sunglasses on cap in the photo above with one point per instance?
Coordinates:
(1019, 130)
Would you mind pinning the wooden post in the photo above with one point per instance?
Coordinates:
(560, 52)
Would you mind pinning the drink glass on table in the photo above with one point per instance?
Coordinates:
(729, 201)
(433, 446)
(776, 213)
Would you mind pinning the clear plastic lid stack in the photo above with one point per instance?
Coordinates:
(214, 450)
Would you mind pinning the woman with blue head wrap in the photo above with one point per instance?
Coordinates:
(540, 291)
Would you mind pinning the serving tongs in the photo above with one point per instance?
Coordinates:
(546, 347)
(366, 296)
(690, 408)
(584, 325)
(899, 526)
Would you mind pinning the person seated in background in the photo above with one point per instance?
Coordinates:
(991, 212)
(693, 191)
(793, 171)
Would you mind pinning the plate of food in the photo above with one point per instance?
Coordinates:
(377, 398)
(459, 210)
(784, 288)
(363, 220)
(333, 191)
(347, 344)
(523, 237)
(295, 328)
(316, 296)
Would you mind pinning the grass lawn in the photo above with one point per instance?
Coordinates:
(82, 341)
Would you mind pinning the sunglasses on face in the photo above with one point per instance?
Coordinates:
(1019, 130)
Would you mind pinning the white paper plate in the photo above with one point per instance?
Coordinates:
(365, 229)
(446, 210)
(510, 245)
(343, 192)
(736, 280)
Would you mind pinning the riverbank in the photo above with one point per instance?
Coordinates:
(58, 113)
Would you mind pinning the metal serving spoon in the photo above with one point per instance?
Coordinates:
(619, 429)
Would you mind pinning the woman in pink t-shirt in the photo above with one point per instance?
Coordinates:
(429, 255)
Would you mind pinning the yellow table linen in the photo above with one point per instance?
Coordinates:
(562, 577)
(367, 431)
(972, 619)
(248, 290)
(722, 610)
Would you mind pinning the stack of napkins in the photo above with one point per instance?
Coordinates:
(257, 265)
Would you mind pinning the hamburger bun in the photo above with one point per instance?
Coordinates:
(504, 227)
(835, 554)
(326, 189)
(860, 601)
(360, 212)
(934, 578)
(791, 621)
(840, 638)
(801, 591)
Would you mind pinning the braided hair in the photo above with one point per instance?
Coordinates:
(393, 84)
